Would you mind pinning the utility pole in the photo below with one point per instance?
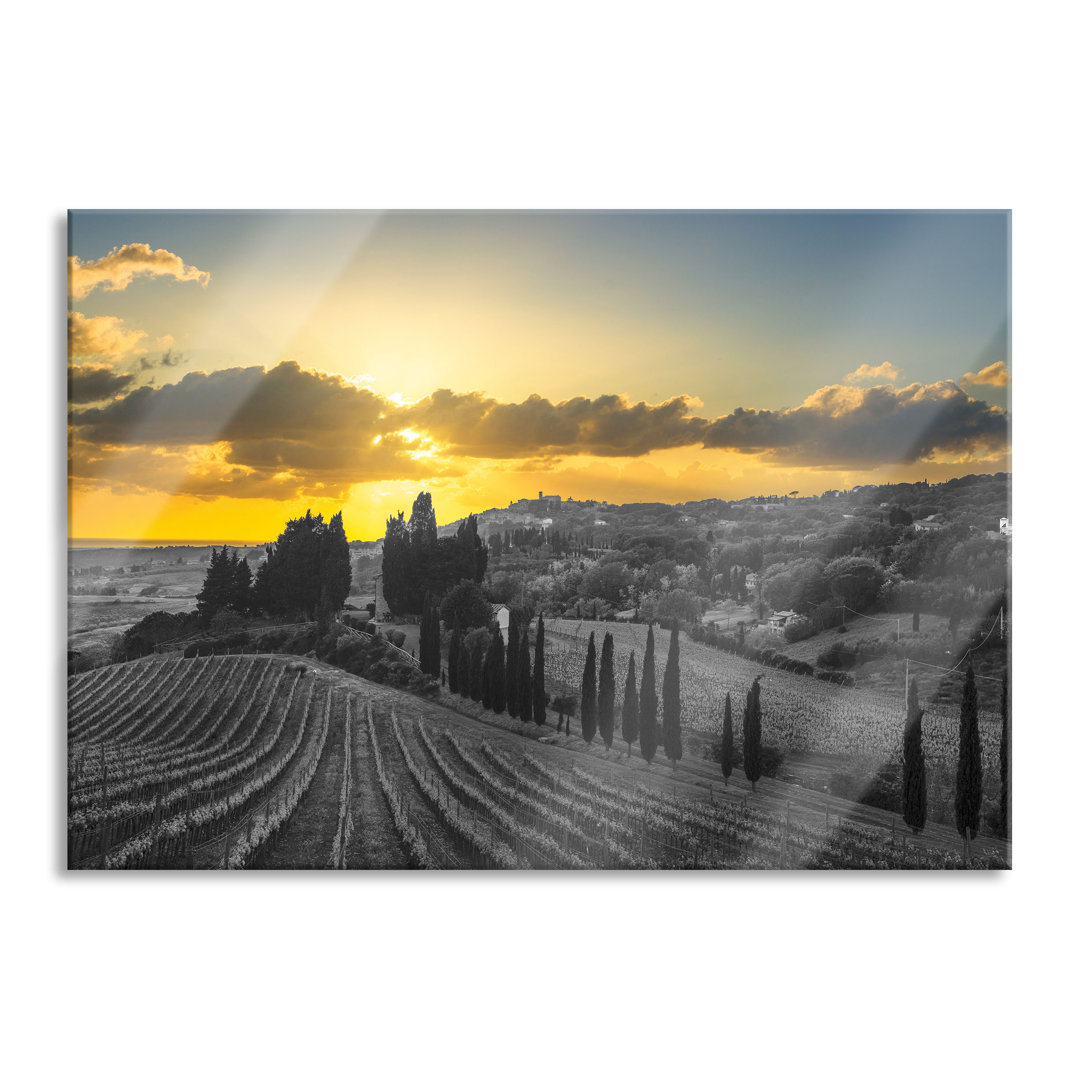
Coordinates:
(907, 682)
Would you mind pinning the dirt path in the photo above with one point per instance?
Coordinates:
(374, 843)
(306, 842)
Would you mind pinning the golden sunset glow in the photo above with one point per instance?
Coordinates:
(229, 370)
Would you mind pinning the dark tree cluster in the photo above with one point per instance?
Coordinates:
(307, 571)
(416, 562)
(227, 585)
(502, 677)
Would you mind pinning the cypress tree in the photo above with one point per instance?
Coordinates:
(539, 702)
(588, 692)
(486, 671)
(727, 741)
(476, 673)
(524, 678)
(672, 701)
(435, 636)
(455, 656)
(464, 669)
(425, 638)
(512, 692)
(1003, 760)
(497, 673)
(752, 735)
(914, 764)
(968, 800)
(647, 701)
(605, 698)
(630, 708)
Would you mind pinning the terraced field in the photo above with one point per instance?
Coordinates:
(271, 762)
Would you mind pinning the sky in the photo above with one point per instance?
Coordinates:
(229, 370)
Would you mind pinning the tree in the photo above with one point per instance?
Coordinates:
(727, 741)
(539, 704)
(217, 586)
(395, 563)
(672, 702)
(335, 569)
(588, 692)
(476, 672)
(630, 724)
(1003, 756)
(752, 735)
(243, 595)
(464, 669)
(495, 684)
(430, 643)
(647, 701)
(524, 678)
(454, 660)
(605, 698)
(306, 571)
(968, 798)
(474, 552)
(423, 530)
(512, 658)
(466, 604)
(914, 764)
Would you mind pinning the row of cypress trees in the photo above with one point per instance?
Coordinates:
(751, 736)
(504, 678)
(639, 709)
(967, 799)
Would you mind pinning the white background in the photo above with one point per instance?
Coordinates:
(554, 105)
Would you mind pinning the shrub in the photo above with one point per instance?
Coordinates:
(798, 628)
(837, 677)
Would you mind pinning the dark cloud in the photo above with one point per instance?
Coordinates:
(609, 426)
(95, 382)
(276, 433)
(844, 425)
(167, 359)
(249, 432)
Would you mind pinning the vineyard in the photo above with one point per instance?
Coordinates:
(800, 714)
(270, 762)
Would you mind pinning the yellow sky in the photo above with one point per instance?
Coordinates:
(230, 371)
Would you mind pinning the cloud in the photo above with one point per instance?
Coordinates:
(609, 426)
(294, 431)
(116, 271)
(995, 374)
(866, 373)
(845, 425)
(101, 337)
(95, 382)
(167, 359)
(278, 433)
